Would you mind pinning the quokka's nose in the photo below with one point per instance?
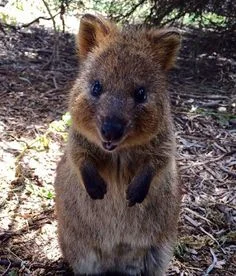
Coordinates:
(112, 129)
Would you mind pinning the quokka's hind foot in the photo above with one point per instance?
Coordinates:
(157, 260)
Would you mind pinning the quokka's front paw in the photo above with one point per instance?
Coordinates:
(139, 187)
(136, 194)
(97, 189)
(95, 185)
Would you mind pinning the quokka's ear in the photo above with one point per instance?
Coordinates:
(92, 31)
(166, 44)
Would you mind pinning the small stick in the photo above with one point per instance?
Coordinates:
(214, 262)
(8, 267)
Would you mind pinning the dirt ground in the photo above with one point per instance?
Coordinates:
(34, 87)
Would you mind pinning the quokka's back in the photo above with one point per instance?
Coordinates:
(117, 191)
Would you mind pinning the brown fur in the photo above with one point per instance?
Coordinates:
(97, 236)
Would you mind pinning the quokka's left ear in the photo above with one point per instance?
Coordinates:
(92, 32)
(166, 44)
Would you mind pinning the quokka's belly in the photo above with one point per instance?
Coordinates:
(141, 225)
(96, 235)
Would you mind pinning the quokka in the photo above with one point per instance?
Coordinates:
(117, 190)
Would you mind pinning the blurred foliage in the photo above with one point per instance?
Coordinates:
(59, 127)
(205, 13)
(208, 13)
(220, 15)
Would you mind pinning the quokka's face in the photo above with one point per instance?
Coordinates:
(119, 99)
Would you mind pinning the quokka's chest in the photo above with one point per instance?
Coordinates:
(119, 170)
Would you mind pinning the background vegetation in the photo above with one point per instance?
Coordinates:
(219, 15)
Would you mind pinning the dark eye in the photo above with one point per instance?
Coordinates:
(140, 95)
(96, 89)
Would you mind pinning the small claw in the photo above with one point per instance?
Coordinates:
(131, 203)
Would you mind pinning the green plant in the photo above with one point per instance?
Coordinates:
(223, 118)
(179, 250)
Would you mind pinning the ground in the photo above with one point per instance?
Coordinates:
(34, 86)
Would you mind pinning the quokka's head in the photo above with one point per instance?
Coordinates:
(119, 99)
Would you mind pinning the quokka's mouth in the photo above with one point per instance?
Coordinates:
(109, 146)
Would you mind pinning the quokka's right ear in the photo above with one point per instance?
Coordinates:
(92, 32)
(166, 44)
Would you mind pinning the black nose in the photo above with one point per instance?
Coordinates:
(112, 128)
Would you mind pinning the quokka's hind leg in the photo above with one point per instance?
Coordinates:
(128, 260)
(157, 260)
(88, 264)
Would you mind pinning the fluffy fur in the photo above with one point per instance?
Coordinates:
(117, 211)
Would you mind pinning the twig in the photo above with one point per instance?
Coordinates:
(36, 20)
(228, 171)
(6, 262)
(204, 162)
(131, 11)
(34, 223)
(8, 267)
(197, 215)
(187, 267)
(18, 140)
(22, 263)
(62, 12)
(211, 104)
(55, 46)
(193, 222)
(197, 225)
(55, 82)
(219, 147)
(51, 16)
(2, 95)
(214, 239)
(213, 173)
(11, 263)
(201, 97)
(214, 262)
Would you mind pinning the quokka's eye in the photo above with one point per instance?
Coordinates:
(96, 89)
(140, 95)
